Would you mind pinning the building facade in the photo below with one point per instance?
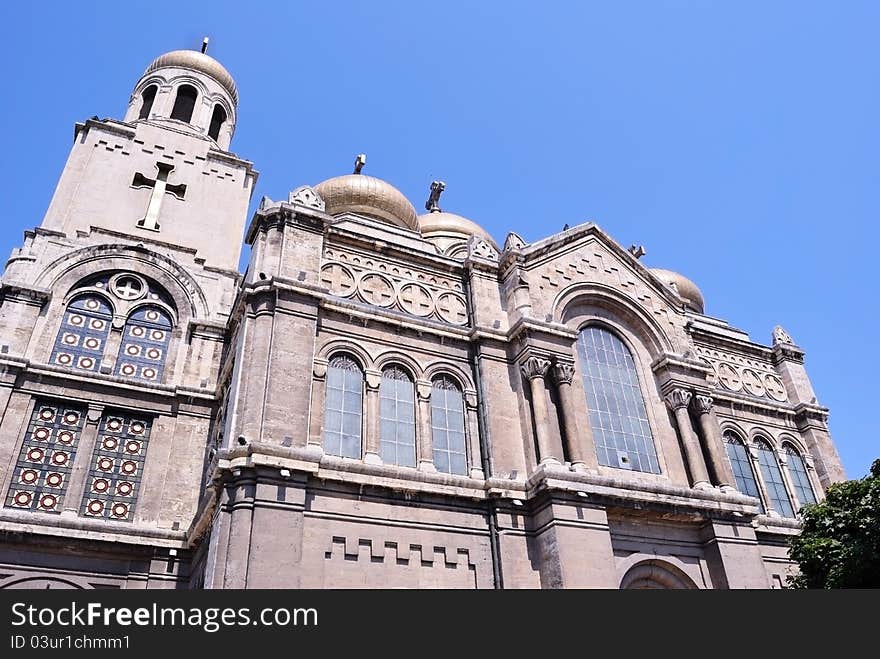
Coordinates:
(382, 399)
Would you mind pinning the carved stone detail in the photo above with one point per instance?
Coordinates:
(306, 196)
(563, 372)
(703, 404)
(390, 286)
(513, 241)
(535, 367)
(781, 336)
(481, 249)
(741, 373)
(678, 398)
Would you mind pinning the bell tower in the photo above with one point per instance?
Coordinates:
(164, 173)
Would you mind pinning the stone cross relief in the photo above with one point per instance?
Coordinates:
(160, 187)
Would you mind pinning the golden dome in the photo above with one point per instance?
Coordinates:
(373, 197)
(687, 290)
(441, 224)
(193, 59)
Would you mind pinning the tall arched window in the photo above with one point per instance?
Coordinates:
(741, 465)
(218, 118)
(184, 103)
(797, 470)
(83, 334)
(776, 493)
(617, 410)
(147, 98)
(447, 426)
(343, 408)
(397, 420)
(144, 348)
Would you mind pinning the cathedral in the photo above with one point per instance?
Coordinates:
(383, 399)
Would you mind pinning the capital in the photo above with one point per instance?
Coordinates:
(703, 404)
(678, 398)
(535, 367)
(563, 372)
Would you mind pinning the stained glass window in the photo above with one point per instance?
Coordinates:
(343, 408)
(45, 462)
(741, 465)
(117, 466)
(776, 492)
(397, 421)
(797, 470)
(144, 348)
(447, 427)
(83, 334)
(617, 410)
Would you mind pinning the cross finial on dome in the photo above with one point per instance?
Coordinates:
(205, 45)
(359, 162)
(437, 188)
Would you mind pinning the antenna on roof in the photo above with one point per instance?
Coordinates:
(205, 45)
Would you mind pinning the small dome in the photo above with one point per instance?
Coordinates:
(687, 290)
(373, 197)
(193, 59)
(441, 224)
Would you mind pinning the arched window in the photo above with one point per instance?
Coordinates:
(397, 419)
(776, 493)
(447, 426)
(185, 103)
(797, 470)
(83, 333)
(218, 118)
(144, 348)
(147, 98)
(617, 410)
(741, 465)
(343, 408)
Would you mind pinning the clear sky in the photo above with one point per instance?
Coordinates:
(737, 141)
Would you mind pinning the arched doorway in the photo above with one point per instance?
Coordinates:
(655, 574)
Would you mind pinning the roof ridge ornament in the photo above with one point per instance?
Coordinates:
(437, 188)
(638, 251)
(359, 162)
(781, 336)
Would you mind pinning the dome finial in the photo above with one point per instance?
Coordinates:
(205, 46)
(437, 188)
(359, 162)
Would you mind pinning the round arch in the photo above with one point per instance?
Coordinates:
(656, 574)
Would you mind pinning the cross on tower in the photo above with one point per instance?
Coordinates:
(160, 187)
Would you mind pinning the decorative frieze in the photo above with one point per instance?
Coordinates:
(742, 374)
(391, 286)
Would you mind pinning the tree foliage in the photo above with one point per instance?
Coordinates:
(839, 546)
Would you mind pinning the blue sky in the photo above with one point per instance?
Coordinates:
(737, 141)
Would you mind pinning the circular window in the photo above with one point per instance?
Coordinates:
(128, 287)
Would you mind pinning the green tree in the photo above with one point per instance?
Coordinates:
(839, 546)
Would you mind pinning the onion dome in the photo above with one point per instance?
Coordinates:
(686, 289)
(193, 59)
(444, 229)
(365, 195)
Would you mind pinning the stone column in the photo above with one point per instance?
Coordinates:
(82, 462)
(316, 413)
(425, 445)
(473, 426)
(711, 436)
(678, 400)
(371, 427)
(535, 368)
(563, 373)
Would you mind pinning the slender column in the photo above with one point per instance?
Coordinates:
(316, 414)
(711, 436)
(83, 460)
(425, 445)
(678, 400)
(473, 426)
(535, 368)
(563, 373)
(371, 427)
